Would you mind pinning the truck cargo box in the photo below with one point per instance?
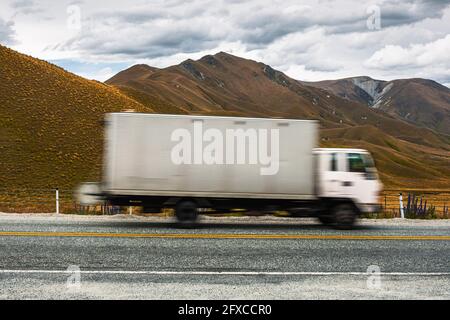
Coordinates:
(203, 156)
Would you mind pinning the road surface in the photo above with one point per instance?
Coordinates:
(127, 257)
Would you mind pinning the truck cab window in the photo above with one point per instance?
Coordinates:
(355, 162)
(333, 162)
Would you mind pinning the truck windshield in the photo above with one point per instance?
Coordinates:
(368, 161)
(362, 162)
(371, 171)
(355, 162)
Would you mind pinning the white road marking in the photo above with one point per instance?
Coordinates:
(234, 273)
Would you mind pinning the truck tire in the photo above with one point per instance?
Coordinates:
(344, 216)
(326, 219)
(186, 211)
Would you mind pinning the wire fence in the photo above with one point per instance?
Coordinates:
(416, 204)
(27, 200)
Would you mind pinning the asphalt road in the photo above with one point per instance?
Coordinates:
(224, 258)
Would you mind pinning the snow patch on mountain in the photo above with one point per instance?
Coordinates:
(380, 98)
(376, 89)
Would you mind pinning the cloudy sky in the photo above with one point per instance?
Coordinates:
(309, 40)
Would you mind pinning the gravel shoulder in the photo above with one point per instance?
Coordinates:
(267, 219)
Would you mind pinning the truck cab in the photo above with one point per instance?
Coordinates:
(348, 175)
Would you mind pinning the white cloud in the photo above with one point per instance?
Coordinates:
(100, 75)
(416, 55)
(26, 7)
(428, 60)
(6, 31)
(313, 40)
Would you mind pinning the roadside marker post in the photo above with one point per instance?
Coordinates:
(57, 201)
(402, 213)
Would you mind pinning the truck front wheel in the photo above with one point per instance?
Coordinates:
(186, 211)
(344, 216)
(326, 219)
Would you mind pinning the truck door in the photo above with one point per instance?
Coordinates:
(332, 170)
(361, 180)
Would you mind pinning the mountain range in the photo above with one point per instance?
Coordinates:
(51, 132)
(421, 102)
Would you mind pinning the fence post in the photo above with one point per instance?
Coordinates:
(57, 201)
(402, 213)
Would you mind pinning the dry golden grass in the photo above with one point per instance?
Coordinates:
(51, 133)
(437, 198)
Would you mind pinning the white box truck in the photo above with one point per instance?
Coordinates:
(218, 164)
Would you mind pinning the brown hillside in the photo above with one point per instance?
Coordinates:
(139, 71)
(401, 163)
(419, 101)
(50, 123)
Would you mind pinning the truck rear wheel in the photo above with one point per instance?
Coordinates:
(344, 216)
(186, 211)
